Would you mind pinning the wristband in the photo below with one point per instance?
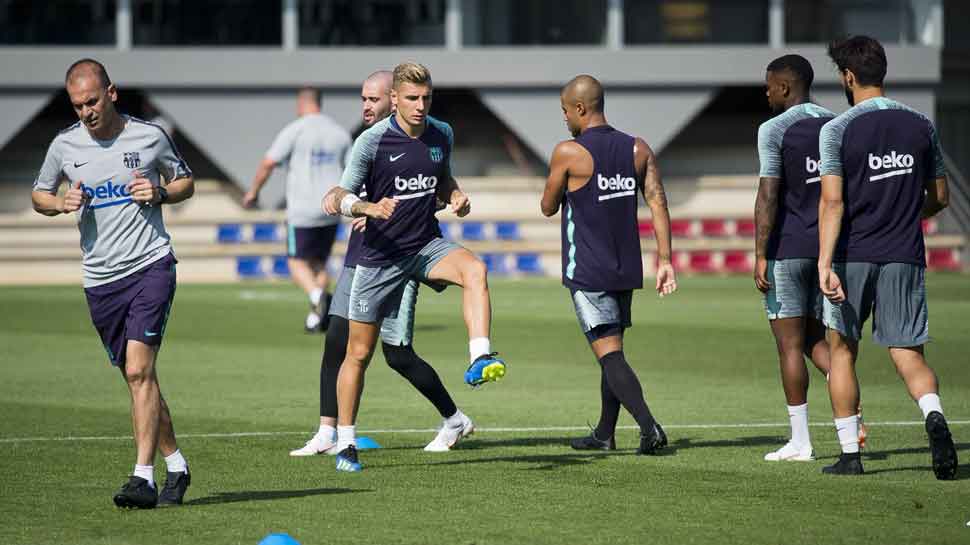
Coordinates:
(347, 203)
(162, 194)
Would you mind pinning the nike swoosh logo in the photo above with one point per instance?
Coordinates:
(150, 333)
(79, 165)
(396, 157)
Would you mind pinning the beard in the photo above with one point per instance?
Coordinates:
(849, 96)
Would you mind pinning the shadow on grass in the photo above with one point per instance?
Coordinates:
(264, 495)
(882, 455)
(756, 441)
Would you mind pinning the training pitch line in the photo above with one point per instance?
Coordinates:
(753, 425)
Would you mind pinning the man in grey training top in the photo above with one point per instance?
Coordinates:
(116, 165)
(313, 148)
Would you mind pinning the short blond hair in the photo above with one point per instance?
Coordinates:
(411, 72)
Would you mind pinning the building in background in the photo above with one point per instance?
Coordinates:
(685, 74)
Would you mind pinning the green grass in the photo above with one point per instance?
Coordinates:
(235, 360)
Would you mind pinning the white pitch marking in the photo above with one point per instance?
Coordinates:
(231, 435)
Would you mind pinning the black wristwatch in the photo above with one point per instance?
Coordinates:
(163, 194)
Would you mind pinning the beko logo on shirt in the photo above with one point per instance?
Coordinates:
(902, 162)
(424, 185)
(812, 167)
(113, 194)
(413, 184)
(615, 183)
(624, 186)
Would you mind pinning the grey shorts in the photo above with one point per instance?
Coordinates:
(602, 308)
(378, 292)
(893, 293)
(794, 289)
(398, 331)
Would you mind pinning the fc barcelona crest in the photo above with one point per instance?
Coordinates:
(132, 160)
(437, 154)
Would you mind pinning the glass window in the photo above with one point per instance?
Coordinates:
(57, 22)
(534, 22)
(889, 21)
(695, 21)
(372, 22)
(207, 22)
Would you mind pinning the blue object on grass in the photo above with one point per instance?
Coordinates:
(279, 539)
(364, 443)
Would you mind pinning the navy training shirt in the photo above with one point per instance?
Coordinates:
(387, 163)
(884, 151)
(788, 150)
(600, 239)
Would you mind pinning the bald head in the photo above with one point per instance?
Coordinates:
(87, 68)
(584, 90)
(375, 96)
(582, 104)
(382, 78)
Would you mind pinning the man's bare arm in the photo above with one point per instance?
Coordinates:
(263, 172)
(765, 211)
(333, 204)
(51, 204)
(937, 197)
(831, 208)
(655, 196)
(558, 178)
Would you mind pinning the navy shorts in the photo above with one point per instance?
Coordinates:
(135, 308)
(310, 243)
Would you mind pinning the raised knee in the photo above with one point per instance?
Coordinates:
(476, 273)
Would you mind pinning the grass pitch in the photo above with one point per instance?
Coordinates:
(242, 378)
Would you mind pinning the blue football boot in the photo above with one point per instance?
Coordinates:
(485, 368)
(347, 460)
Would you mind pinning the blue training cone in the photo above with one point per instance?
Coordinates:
(364, 443)
(279, 539)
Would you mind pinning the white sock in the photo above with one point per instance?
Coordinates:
(145, 472)
(929, 403)
(479, 346)
(315, 296)
(798, 418)
(454, 420)
(848, 430)
(346, 436)
(327, 432)
(175, 462)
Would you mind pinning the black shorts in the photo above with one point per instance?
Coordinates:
(310, 243)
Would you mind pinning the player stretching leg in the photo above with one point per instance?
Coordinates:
(882, 172)
(397, 334)
(595, 177)
(786, 247)
(403, 163)
(115, 165)
(313, 148)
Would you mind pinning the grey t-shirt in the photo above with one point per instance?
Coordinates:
(314, 148)
(118, 236)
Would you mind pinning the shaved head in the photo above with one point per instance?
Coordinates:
(382, 78)
(86, 68)
(584, 90)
